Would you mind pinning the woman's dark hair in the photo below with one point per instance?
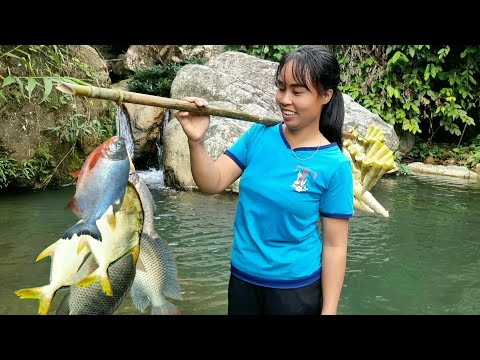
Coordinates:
(318, 66)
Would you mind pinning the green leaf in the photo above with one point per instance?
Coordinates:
(14, 56)
(8, 80)
(47, 82)
(20, 85)
(31, 84)
(390, 91)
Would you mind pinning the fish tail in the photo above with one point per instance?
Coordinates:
(101, 277)
(167, 308)
(83, 228)
(37, 293)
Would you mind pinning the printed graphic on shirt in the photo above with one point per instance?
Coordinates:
(300, 184)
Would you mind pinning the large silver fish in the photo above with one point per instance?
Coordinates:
(156, 278)
(157, 275)
(101, 183)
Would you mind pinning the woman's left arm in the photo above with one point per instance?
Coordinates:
(334, 261)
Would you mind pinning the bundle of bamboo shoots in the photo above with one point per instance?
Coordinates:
(370, 159)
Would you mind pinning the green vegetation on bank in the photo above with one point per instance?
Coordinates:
(28, 73)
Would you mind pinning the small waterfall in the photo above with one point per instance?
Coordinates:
(166, 117)
(123, 128)
(153, 177)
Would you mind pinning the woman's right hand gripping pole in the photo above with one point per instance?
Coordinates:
(194, 125)
(211, 177)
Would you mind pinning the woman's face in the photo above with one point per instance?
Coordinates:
(300, 106)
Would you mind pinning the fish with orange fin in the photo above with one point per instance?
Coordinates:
(101, 183)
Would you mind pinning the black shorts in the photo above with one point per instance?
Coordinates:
(248, 299)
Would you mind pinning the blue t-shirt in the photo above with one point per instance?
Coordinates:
(281, 198)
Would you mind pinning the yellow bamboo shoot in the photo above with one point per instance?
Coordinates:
(371, 175)
(369, 200)
(360, 205)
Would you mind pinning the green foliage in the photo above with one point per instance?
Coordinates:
(404, 169)
(38, 169)
(467, 155)
(267, 52)
(107, 124)
(418, 87)
(34, 171)
(154, 80)
(72, 129)
(38, 67)
(8, 170)
(157, 80)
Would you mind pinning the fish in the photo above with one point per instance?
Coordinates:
(121, 235)
(157, 274)
(64, 265)
(156, 278)
(105, 172)
(91, 300)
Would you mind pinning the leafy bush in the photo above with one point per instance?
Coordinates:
(154, 80)
(418, 87)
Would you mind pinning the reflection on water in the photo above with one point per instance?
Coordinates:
(423, 259)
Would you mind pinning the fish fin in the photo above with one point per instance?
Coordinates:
(139, 298)
(95, 276)
(83, 228)
(117, 205)
(140, 265)
(73, 206)
(112, 221)
(136, 254)
(49, 251)
(37, 293)
(82, 243)
(167, 308)
(75, 174)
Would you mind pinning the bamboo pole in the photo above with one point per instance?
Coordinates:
(117, 96)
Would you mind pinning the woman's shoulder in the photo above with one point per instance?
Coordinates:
(258, 129)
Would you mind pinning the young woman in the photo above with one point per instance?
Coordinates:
(293, 175)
